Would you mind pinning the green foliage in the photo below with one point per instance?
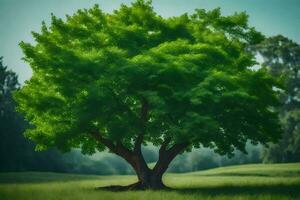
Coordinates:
(282, 59)
(92, 71)
(17, 153)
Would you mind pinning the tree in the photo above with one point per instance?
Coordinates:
(117, 81)
(281, 56)
(8, 83)
(9, 119)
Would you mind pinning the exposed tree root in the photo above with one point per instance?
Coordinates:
(134, 186)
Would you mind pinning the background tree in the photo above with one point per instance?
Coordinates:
(119, 80)
(8, 119)
(17, 153)
(281, 56)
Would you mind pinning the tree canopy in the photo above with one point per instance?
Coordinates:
(123, 79)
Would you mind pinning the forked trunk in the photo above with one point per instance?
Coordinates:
(148, 179)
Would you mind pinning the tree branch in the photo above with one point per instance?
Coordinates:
(164, 145)
(108, 143)
(135, 159)
(117, 148)
(176, 149)
(166, 156)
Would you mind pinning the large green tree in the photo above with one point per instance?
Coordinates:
(117, 81)
(281, 56)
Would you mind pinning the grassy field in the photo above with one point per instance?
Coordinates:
(273, 181)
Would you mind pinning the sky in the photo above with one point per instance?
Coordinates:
(19, 17)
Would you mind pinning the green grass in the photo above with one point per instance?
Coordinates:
(273, 181)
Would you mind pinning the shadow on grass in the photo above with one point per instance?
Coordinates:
(290, 190)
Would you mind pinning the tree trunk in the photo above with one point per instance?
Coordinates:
(148, 179)
(152, 179)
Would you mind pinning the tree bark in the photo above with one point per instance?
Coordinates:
(147, 178)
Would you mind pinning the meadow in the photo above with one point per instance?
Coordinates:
(254, 181)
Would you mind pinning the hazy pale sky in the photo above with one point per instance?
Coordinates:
(19, 17)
